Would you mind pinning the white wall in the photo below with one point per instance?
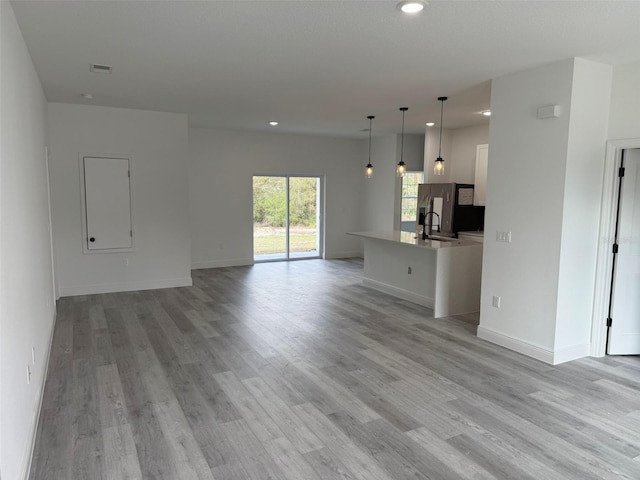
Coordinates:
(378, 197)
(222, 164)
(26, 284)
(543, 187)
(525, 192)
(458, 151)
(589, 110)
(625, 102)
(463, 152)
(158, 145)
(413, 152)
(431, 148)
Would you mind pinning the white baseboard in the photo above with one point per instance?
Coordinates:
(338, 255)
(398, 292)
(573, 352)
(530, 350)
(233, 262)
(241, 262)
(36, 420)
(552, 357)
(124, 286)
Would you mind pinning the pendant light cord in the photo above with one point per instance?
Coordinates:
(442, 99)
(404, 109)
(370, 120)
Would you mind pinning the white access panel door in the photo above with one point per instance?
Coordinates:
(107, 188)
(624, 336)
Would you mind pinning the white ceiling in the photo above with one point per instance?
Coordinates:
(317, 67)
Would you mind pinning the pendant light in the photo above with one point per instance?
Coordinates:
(438, 166)
(369, 167)
(402, 167)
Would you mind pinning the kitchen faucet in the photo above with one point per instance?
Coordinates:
(424, 230)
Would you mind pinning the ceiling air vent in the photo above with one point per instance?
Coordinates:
(97, 68)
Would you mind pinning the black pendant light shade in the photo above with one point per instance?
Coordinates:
(438, 166)
(369, 167)
(401, 169)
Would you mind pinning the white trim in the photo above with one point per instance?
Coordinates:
(529, 349)
(36, 420)
(54, 284)
(124, 286)
(532, 350)
(320, 211)
(234, 262)
(242, 262)
(81, 166)
(399, 292)
(339, 255)
(573, 352)
(606, 235)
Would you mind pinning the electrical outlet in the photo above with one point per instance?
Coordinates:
(28, 374)
(409, 270)
(125, 262)
(496, 301)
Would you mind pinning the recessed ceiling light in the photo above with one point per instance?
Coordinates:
(486, 113)
(98, 68)
(429, 124)
(86, 96)
(411, 6)
(273, 124)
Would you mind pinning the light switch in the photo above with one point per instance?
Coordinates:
(503, 237)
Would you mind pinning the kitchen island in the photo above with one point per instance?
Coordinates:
(444, 275)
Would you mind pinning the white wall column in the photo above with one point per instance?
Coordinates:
(544, 186)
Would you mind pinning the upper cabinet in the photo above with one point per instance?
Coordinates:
(480, 187)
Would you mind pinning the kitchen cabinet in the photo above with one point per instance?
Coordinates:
(480, 185)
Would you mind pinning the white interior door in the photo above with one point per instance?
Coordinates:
(624, 335)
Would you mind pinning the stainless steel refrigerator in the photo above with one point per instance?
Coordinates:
(447, 208)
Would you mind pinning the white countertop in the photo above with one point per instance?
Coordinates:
(410, 238)
(474, 233)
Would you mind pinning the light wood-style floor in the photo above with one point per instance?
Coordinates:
(296, 371)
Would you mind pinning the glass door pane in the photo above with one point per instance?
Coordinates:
(303, 217)
(269, 218)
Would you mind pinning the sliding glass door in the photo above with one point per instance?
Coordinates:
(286, 217)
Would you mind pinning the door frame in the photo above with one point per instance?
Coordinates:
(320, 216)
(606, 237)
